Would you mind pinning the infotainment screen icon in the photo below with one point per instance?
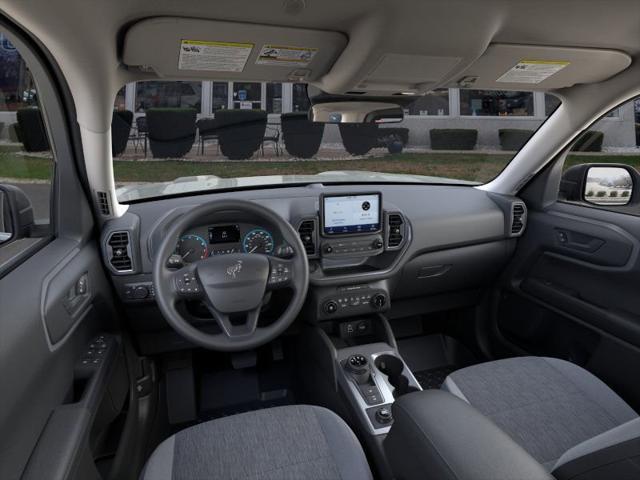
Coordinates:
(351, 214)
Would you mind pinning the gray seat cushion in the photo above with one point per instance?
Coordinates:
(546, 405)
(281, 443)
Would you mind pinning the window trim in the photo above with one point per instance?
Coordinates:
(58, 111)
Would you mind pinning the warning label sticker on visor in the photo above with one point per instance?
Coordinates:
(532, 71)
(285, 55)
(213, 56)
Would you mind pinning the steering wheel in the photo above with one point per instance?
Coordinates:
(232, 286)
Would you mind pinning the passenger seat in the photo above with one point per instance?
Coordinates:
(563, 416)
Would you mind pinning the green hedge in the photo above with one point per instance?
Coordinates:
(240, 132)
(589, 141)
(513, 138)
(172, 131)
(358, 139)
(301, 137)
(120, 129)
(32, 132)
(453, 138)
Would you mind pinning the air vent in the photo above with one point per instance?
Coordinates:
(307, 231)
(518, 218)
(103, 203)
(119, 253)
(395, 230)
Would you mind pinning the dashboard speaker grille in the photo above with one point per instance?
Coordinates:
(103, 203)
(518, 215)
(396, 230)
(307, 231)
(119, 253)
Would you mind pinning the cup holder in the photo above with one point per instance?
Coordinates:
(393, 367)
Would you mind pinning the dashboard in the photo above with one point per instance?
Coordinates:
(394, 249)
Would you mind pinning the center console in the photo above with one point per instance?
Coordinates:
(353, 245)
(367, 375)
(372, 376)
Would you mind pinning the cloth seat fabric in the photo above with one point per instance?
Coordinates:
(291, 442)
(546, 405)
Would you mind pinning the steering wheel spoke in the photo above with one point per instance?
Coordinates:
(280, 273)
(235, 329)
(186, 285)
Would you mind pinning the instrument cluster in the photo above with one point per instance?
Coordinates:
(208, 241)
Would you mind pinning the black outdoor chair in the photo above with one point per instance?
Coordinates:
(120, 128)
(272, 134)
(207, 130)
(140, 134)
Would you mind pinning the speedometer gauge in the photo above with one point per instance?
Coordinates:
(191, 248)
(258, 241)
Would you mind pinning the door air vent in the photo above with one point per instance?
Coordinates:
(518, 218)
(307, 232)
(395, 230)
(103, 203)
(119, 252)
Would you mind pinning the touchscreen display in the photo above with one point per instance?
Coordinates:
(351, 214)
(224, 234)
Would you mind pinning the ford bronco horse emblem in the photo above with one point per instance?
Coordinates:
(234, 270)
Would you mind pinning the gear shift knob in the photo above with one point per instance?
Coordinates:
(358, 366)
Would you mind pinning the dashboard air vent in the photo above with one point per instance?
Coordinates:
(119, 256)
(518, 218)
(103, 203)
(395, 230)
(307, 231)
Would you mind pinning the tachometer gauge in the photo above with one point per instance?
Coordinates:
(258, 241)
(191, 248)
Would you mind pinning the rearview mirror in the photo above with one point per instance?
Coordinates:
(608, 186)
(356, 112)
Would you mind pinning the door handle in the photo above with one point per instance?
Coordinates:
(578, 241)
(78, 295)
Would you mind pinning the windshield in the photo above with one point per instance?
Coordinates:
(175, 137)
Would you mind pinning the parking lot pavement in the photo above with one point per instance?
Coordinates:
(39, 194)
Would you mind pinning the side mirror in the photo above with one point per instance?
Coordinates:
(356, 112)
(16, 213)
(599, 184)
(608, 186)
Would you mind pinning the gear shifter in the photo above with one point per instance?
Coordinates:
(358, 366)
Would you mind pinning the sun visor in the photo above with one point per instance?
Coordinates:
(526, 67)
(209, 49)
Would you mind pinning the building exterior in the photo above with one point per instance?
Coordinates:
(485, 111)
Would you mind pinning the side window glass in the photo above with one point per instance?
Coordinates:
(26, 159)
(602, 167)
